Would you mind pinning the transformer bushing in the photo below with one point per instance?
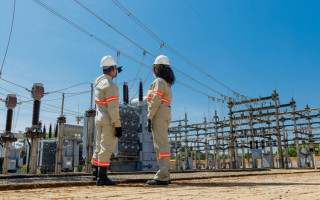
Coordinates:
(34, 132)
(8, 137)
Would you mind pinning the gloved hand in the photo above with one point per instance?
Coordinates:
(118, 132)
(149, 125)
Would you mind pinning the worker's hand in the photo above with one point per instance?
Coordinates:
(149, 125)
(118, 132)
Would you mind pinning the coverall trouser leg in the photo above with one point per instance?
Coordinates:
(160, 127)
(106, 142)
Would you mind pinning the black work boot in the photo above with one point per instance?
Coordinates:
(94, 173)
(157, 182)
(103, 178)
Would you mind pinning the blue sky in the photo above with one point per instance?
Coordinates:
(252, 47)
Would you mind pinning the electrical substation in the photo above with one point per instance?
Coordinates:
(241, 141)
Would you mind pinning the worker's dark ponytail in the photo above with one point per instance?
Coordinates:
(165, 72)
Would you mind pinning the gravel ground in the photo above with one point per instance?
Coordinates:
(280, 186)
(143, 176)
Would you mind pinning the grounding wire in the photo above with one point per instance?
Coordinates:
(5, 54)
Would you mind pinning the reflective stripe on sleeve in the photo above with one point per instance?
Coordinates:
(107, 100)
(157, 92)
(166, 100)
(101, 102)
(112, 99)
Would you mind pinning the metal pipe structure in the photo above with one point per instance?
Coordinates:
(61, 121)
(254, 121)
(89, 146)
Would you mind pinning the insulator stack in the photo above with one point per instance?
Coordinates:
(36, 112)
(9, 120)
(56, 131)
(140, 91)
(125, 94)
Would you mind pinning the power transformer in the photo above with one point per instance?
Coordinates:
(134, 150)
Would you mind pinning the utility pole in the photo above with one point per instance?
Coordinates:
(275, 99)
(78, 119)
(176, 149)
(186, 139)
(243, 154)
(312, 152)
(217, 160)
(61, 121)
(180, 148)
(236, 147)
(207, 152)
(285, 140)
(8, 137)
(254, 161)
(198, 150)
(231, 144)
(296, 137)
(35, 131)
(248, 149)
(223, 145)
(91, 113)
(270, 146)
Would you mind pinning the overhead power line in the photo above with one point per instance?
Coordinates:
(72, 86)
(106, 23)
(83, 30)
(196, 90)
(235, 54)
(29, 100)
(73, 94)
(51, 92)
(16, 84)
(110, 46)
(153, 35)
(5, 54)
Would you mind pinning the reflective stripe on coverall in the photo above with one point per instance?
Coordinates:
(159, 99)
(107, 118)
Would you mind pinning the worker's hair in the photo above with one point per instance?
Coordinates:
(107, 71)
(165, 72)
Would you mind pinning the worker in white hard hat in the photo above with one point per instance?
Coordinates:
(159, 116)
(107, 120)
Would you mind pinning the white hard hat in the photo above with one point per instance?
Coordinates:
(161, 60)
(108, 61)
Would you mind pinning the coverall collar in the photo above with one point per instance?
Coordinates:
(108, 77)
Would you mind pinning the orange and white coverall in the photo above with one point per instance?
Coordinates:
(107, 118)
(159, 112)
